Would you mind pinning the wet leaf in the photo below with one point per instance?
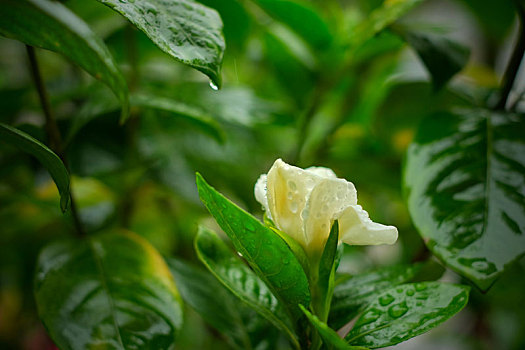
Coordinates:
(111, 290)
(464, 179)
(403, 312)
(184, 29)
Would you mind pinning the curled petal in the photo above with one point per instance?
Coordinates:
(260, 192)
(356, 228)
(328, 198)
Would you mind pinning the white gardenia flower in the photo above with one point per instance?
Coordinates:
(305, 203)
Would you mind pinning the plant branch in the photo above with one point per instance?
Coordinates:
(513, 66)
(51, 127)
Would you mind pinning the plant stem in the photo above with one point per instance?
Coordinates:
(51, 127)
(513, 66)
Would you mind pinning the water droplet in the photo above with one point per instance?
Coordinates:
(420, 286)
(213, 86)
(398, 310)
(292, 185)
(239, 254)
(249, 226)
(290, 196)
(480, 265)
(294, 207)
(386, 300)
(370, 316)
(410, 292)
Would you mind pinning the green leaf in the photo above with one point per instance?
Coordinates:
(184, 29)
(47, 157)
(52, 26)
(240, 279)
(442, 57)
(464, 181)
(352, 295)
(193, 114)
(327, 270)
(380, 19)
(406, 311)
(330, 337)
(111, 290)
(302, 18)
(265, 251)
(211, 300)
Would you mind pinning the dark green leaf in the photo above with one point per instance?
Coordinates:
(46, 156)
(301, 18)
(186, 30)
(239, 279)
(111, 290)
(330, 337)
(265, 251)
(442, 57)
(464, 179)
(52, 26)
(406, 311)
(211, 300)
(352, 295)
(327, 269)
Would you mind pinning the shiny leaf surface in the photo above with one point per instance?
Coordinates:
(403, 312)
(46, 156)
(264, 250)
(184, 29)
(465, 177)
(240, 279)
(52, 26)
(111, 290)
(352, 295)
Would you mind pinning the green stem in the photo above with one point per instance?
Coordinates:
(52, 130)
(513, 66)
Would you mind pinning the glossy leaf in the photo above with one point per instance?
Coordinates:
(240, 280)
(52, 26)
(184, 29)
(464, 179)
(211, 300)
(380, 19)
(265, 251)
(442, 57)
(330, 337)
(327, 270)
(47, 157)
(352, 295)
(111, 290)
(403, 312)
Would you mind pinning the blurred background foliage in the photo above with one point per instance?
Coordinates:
(295, 86)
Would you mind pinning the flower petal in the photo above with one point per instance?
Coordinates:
(288, 187)
(328, 198)
(322, 172)
(356, 228)
(260, 193)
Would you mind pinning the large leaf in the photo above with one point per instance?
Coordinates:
(186, 30)
(330, 338)
(240, 279)
(111, 290)
(406, 311)
(211, 300)
(46, 156)
(464, 178)
(52, 26)
(264, 250)
(442, 57)
(352, 295)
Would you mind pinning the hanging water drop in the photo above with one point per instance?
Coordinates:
(213, 86)
(386, 300)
